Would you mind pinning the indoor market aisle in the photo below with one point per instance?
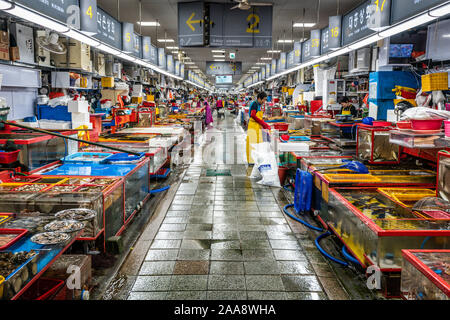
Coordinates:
(225, 237)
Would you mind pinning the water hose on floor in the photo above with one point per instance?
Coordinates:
(159, 190)
(348, 256)
(299, 220)
(322, 251)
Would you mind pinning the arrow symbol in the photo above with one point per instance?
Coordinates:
(190, 22)
(212, 67)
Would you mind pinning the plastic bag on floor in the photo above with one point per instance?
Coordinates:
(266, 165)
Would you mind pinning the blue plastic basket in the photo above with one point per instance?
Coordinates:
(60, 113)
(86, 157)
(123, 158)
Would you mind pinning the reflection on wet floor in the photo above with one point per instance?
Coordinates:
(225, 237)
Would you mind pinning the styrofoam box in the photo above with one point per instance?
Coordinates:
(160, 142)
(54, 124)
(79, 124)
(80, 117)
(293, 146)
(78, 106)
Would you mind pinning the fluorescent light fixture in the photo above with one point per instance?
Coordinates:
(273, 51)
(189, 62)
(260, 63)
(285, 41)
(175, 52)
(36, 18)
(365, 42)
(219, 60)
(74, 34)
(218, 51)
(166, 40)
(5, 5)
(304, 24)
(172, 48)
(266, 58)
(217, 56)
(149, 23)
(441, 11)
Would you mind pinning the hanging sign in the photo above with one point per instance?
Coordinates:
(137, 45)
(170, 64)
(190, 24)
(154, 55)
(297, 53)
(88, 14)
(161, 58)
(324, 40)
(315, 43)
(146, 48)
(263, 73)
(334, 32)
(177, 68)
(268, 67)
(221, 68)
(402, 9)
(182, 70)
(290, 59)
(66, 11)
(109, 30)
(128, 37)
(365, 19)
(274, 67)
(306, 50)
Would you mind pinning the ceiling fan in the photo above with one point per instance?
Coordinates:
(245, 5)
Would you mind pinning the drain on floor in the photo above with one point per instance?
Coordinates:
(215, 173)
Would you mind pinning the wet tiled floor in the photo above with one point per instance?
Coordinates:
(226, 237)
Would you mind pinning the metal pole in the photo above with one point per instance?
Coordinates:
(69, 138)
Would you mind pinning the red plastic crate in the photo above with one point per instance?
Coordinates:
(45, 289)
(20, 233)
(9, 157)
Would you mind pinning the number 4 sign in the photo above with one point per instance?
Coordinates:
(88, 13)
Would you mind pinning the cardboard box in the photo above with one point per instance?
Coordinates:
(108, 82)
(14, 53)
(4, 51)
(4, 37)
(25, 41)
(136, 100)
(100, 64)
(112, 95)
(80, 57)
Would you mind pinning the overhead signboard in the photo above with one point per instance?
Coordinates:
(282, 61)
(222, 68)
(66, 11)
(137, 45)
(182, 70)
(324, 40)
(268, 68)
(161, 58)
(315, 43)
(177, 67)
(146, 48)
(109, 30)
(190, 24)
(88, 16)
(306, 50)
(365, 19)
(335, 32)
(170, 64)
(154, 55)
(402, 9)
(255, 77)
(274, 67)
(128, 37)
(297, 53)
(216, 29)
(263, 73)
(290, 59)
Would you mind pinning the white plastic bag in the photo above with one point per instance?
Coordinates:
(424, 113)
(265, 164)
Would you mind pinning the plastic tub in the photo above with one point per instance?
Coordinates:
(381, 124)
(19, 233)
(404, 125)
(282, 126)
(8, 157)
(447, 128)
(433, 124)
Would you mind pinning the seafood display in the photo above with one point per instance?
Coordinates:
(32, 187)
(62, 188)
(10, 261)
(65, 226)
(102, 181)
(78, 214)
(91, 189)
(47, 238)
(6, 238)
(31, 223)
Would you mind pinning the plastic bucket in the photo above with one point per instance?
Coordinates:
(282, 173)
(447, 128)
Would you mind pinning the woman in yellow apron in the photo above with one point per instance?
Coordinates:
(347, 107)
(255, 124)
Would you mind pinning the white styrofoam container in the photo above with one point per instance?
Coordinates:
(54, 124)
(293, 146)
(78, 106)
(80, 117)
(161, 142)
(76, 125)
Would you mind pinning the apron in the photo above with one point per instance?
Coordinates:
(346, 111)
(254, 135)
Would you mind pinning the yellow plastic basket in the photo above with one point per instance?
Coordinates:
(435, 81)
(337, 177)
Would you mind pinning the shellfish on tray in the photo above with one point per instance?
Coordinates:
(67, 226)
(50, 238)
(78, 214)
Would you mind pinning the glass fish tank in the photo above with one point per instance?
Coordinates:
(426, 275)
(374, 147)
(376, 228)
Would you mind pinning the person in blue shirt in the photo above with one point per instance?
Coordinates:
(255, 124)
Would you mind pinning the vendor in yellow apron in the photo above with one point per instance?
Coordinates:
(347, 107)
(255, 124)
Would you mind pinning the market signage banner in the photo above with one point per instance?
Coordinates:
(324, 40)
(306, 50)
(335, 32)
(263, 73)
(66, 11)
(223, 68)
(315, 43)
(177, 68)
(161, 58)
(88, 15)
(282, 62)
(363, 21)
(274, 67)
(128, 37)
(182, 70)
(190, 24)
(297, 53)
(402, 9)
(137, 45)
(109, 30)
(290, 59)
(146, 48)
(154, 55)
(268, 67)
(170, 64)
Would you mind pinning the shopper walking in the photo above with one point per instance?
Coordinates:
(208, 112)
(255, 124)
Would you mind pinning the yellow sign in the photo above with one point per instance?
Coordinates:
(190, 22)
(254, 27)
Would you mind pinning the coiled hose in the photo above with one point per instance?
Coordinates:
(322, 251)
(299, 220)
(159, 190)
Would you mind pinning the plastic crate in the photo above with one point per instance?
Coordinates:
(435, 81)
(45, 289)
(8, 157)
(57, 113)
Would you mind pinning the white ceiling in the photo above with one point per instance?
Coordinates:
(285, 12)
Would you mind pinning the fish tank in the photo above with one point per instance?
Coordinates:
(426, 275)
(316, 126)
(376, 228)
(374, 147)
(443, 181)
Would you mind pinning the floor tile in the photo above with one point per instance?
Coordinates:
(226, 267)
(226, 254)
(189, 282)
(161, 255)
(264, 283)
(155, 295)
(227, 295)
(152, 283)
(301, 283)
(266, 295)
(295, 267)
(166, 244)
(261, 267)
(226, 282)
(289, 255)
(191, 267)
(157, 268)
(225, 244)
(186, 295)
(191, 254)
